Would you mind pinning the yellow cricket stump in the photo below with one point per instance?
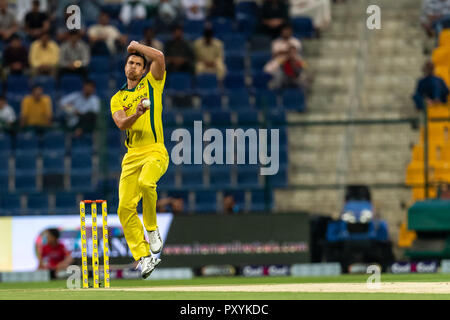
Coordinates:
(83, 245)
(95, 254)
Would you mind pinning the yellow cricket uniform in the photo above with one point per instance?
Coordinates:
(144, 163)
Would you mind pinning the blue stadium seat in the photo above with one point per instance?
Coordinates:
(220, 176)
(259, 199)
(190, 116)
(211, 101)
(70, 83)
(276, 117)
(280, 179)
(192, 176)
(293, 99)
(17, 84)
(193, 28)
(169, 118)
(25, 164)
(15, 101)
(4, 163)
(114, 140)
(258, 60)
(303, 27)
(246, 8)
(54, 141)
(99, 65)
(235, 62)
(114, 161)
(246, 25)
(260, 42)
(260, 81)
(179, 82)
(206, 83)
(53, 163)
(37, 203)
(220, 118)
(102, 85)
(137, 26)
(247, 117)
(83, 143)
(206, 201)
(27, 143)
(81, 181)
(25, 181)
(238, 99)
(222, 26)
(80, 163)
(234, 44)
(168, 179)
(47, 83)
(5, 143)
(4, 181)
(234, 80)
(10, 204)
(248, 176)
(119, 25)
(66, 203)
(266, 100)
(113, 10)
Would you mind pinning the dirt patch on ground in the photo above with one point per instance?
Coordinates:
(392, 287)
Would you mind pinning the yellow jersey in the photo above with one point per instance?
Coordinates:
(148, 128)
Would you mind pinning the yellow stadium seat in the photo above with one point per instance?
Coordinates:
(419, 193)
(406, 237)
(441, 56)
(438, 111)
(444, 73)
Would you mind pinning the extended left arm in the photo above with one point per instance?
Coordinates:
(158, 65)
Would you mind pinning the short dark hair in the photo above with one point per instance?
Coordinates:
(54, 232)
(137, 54)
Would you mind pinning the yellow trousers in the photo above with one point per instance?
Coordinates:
(141, 169)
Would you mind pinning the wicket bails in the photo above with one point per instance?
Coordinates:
(95, 263)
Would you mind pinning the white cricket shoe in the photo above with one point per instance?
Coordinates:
(155, 241)
(147, 265)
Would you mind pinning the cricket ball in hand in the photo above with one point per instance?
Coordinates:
(146, 103)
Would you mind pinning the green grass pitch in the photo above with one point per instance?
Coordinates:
(57, 289)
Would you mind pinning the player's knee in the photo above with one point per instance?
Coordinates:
(146, 184)
(124, 209)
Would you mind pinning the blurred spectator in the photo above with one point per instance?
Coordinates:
(318, 10)
(133, 10)
(173, 205)
(274, 14)
(53, 255)
(179, 54)
(194, 9)
(44, 55)
(444, 191)
(430, 88)
(104, 38)
(168, 13)
(433, 11)
(286, 70)
(24, 6)
(74, 55)
(81, 109)
(7, 115)
(15, 56)
(149, 39)
(36, 21)
(281, 45)
(209, 54)
(229, 205)
(222, 8)
(36, 109)
(8, 23)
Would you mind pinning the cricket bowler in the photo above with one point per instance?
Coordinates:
(136, 108)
